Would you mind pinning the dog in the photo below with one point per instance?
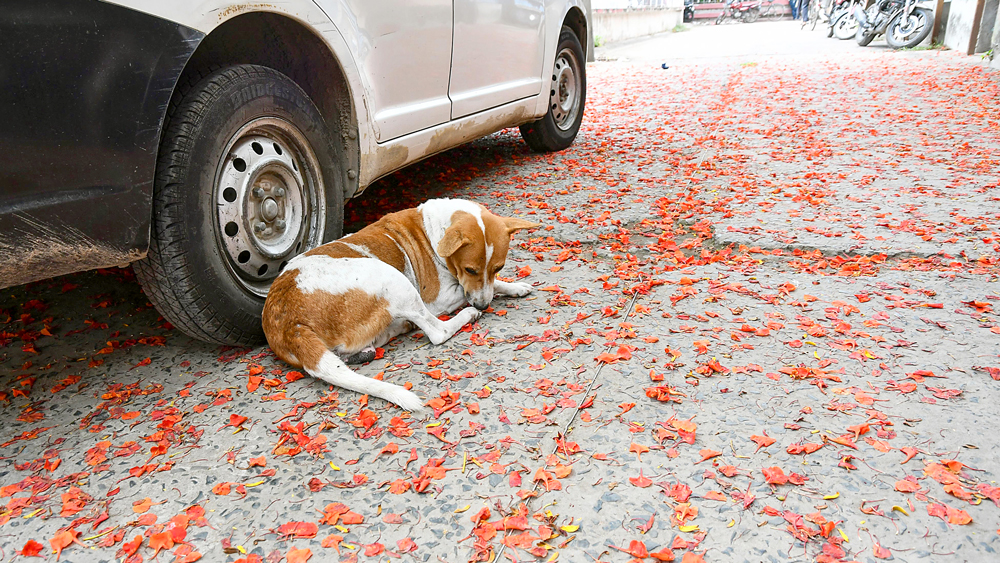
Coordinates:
(334, 304)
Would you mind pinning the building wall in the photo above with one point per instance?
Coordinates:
(995, 63)
(611, 25)
(987, 25)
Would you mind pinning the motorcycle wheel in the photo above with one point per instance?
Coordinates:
(753, 14)
(907, 34)
(864, 37)
(719, 19)
(845, 27)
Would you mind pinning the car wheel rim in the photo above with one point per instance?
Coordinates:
(269, 201)
(564, 98)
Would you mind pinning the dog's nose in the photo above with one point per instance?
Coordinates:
(481, 306)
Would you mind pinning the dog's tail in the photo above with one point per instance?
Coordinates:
(332, 369)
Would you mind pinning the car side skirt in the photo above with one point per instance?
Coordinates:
(87, 89)
(398, 153)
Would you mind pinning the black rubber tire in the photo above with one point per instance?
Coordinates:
(543, 135)
(185, 274)
(863, 38)
(843, 22)
(928, 24)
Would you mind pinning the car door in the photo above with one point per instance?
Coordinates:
(497, 53)
(404, 53)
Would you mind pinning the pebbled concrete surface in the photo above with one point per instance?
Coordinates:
(798, 246)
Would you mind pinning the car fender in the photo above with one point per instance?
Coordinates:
(555, 14)
(337, 28)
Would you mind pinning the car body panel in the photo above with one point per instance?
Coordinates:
(76, 187)
(339, 26)
(86, 86)
(396, 154)
(404, 52)
(381, 159)
(486, 72)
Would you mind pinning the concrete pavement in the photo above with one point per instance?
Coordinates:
(764, 329)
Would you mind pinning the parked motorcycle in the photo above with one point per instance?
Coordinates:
(843, 24)
(903, 23)
(833, 11)
(688, 11)
(744, 11)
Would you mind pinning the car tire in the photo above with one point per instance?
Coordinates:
(567, 97)
(248, 175)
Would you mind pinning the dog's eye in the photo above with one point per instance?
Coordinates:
(471, 272)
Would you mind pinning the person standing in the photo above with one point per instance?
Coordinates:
(804, 10)
(794, 4)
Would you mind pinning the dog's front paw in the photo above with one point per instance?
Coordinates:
(517, 289)
(471, 314)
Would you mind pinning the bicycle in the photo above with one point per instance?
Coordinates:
(815, 12)
(768, 9)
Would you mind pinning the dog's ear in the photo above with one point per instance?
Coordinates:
(452, 240)
(514, 224)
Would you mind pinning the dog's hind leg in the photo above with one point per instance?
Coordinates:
(328, 366)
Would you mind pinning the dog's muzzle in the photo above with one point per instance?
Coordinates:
(480, 299)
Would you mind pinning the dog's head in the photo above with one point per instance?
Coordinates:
(474, 246)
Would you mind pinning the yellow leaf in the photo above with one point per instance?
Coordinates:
(341, 528)
(555, 555)
(34, 513)
(104, 533)
(831, 497)
(731, 524)
(693, 528)
(255, 483)
(334, 467)
(241, 549)
(463, 509)
(569, 529)
(433, 424)
(900, 509)
(843, 535)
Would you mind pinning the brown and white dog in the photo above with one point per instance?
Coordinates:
(338, 301)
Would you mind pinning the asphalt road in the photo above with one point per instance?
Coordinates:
(764, 329)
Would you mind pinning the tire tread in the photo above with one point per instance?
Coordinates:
(167, 273)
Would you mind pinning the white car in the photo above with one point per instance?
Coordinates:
(207, 143)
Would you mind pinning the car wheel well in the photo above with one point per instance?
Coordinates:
(285, 45)
(576, 21)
